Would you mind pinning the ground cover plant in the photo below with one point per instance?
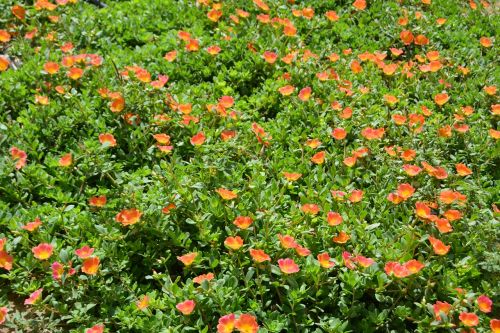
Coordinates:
(249, 166)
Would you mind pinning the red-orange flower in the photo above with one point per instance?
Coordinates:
(19, 156)
(234, 243)
(246, 324)
(311, 209)
(186, 307)
(226, 323)
(198, 139)
(469, 319)
(6, 260)
(356, 196)
(84, 252)
(226, 194)
(3, 314)
(128, 216)
(373, 133)
(441, 307)
(463, 170)
(43, 251)
(286, 90)
(243, 222)
(259, 255)
(438, 246)
(318, 158)
(305, 94)
(405, 191)
(339, 133)
(495, 325)
(484, 303)
(98, 328)
(441, 99)
(143, 302)
(203, 277)
(342, 238)
(359, 4)
(287, 241)
(34, 297)
(334, 218)
(325, 260)
(32, 226)
(107, 139)
(97, 201)
(288, 266)
(90, 265)
(188, 258)
(66, 160)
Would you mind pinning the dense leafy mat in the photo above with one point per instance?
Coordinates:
(298, 166)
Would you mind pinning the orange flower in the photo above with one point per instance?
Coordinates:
(495, 325)
(226, 194)
(463, 170)
(234, 243)
(213, 50)
(43, 251)
(192, 45)
(443, 225)
(32, 226)
(356, 196)
(292, 176)
(75, 73)
(99, 328)
(490, 90)
(486, 42)
(188, 258)
(412, 170)
(339, 133)
(90, 265)
(3, 314)
(259, 255)
(4, 36)
(107, 140)
(117, 103)
(364, 261)
(143, 302)
(128, 216)
(469, 319)
(405, 191)
(318, 158)
(246, 324)
(438, 246)
(270, 57)
(98, 201)
(325, 260)
(394, 198)
(494, 133)
(414, 266)
(66, 160)
(4, 63)
(84, 252)
(332, 15)
(484, 303)
(373, 133)
(214, 15)
(186, 307)
(406, 36)
(198, 139)
(441, 99)
(18, 12)
(51, 67)
(34, 297)
(203, 277)
(334, 218)
(288, 266)
(288, 242)
(305, 94)
(170, 56)
(421, 40)
(342, 238)
(227, 135)
(286, 90)
(226, 323)
(311, 209)
(359, 4)
(453, 214)
(441, 307)
(6, 260)
(19, 156)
